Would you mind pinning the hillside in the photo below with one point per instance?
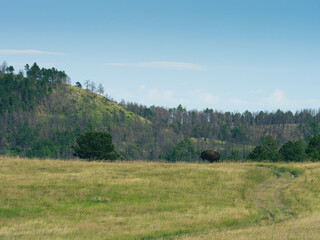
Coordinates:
(42, 114)
(141, 200)
(82, 105)
(42, 118)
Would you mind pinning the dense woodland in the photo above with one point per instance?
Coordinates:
(41, 115)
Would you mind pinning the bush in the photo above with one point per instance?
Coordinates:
(268, 150)
(313, 148)
(293, 151)
(95, 146)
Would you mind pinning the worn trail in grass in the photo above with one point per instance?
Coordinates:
(267, 195)
(290, 200)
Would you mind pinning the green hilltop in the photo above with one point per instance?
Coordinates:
(42, 114)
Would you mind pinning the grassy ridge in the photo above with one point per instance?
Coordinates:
(140, 200)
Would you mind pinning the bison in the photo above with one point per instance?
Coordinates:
(210, 155)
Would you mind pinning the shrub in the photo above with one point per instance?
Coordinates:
(268, 150)
(313, 148)
(293, 151)
(95, 146)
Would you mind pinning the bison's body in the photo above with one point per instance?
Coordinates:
(210, 155)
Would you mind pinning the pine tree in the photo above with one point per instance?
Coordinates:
(95, 146)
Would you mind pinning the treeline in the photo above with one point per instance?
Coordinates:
(230, 131)
(233, 126)
(42, 115)
(291, 151)
(180, 114)
(18, 92)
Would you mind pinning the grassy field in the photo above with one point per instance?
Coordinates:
(47, 199)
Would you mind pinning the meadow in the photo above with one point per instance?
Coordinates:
(54, 199)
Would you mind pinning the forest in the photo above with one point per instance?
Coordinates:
(41, 115)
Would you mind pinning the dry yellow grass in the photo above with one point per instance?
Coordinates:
(305, 226)
(47, 199)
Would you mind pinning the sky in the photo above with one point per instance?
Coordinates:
(230, 55)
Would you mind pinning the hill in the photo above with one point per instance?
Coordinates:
(42, 199)
(42, 114)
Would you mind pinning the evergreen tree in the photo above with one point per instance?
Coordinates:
(268, 150)
(10, 69)
(95, 146)
(293, 151)
(78, 84)
(313, 148)
(183, 151)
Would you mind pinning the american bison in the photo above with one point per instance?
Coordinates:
(210, 155)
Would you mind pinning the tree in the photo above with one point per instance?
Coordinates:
(67, 80)
(95, 146)
(258, 154)
(100, 89)
(183, 151)
(239, 133)
(10, 69)
(34, 72)
(93, 86)
(78, 84)
(3, 67)
(87, 84)
(27, 69)
(313, 148)
(234, 155)
(268, 150)
(293, 151)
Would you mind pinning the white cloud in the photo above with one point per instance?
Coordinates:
(158, 97)
(168, 95)
(169, 98)
(202, 97)
(160, 64)
(238, 102)
(153, 91)
(166, 98)
(278, 99)
(27, 51)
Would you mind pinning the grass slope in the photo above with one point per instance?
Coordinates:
(85, 102)
(41, 199)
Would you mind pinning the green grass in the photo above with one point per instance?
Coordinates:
(99, 104)
(84, 102)
(47, 199)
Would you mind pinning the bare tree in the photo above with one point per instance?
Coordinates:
(68, 80)
(93, 86)
(87, 84)
(4, 66)
(100, 89)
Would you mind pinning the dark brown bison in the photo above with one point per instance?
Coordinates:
(210, 155)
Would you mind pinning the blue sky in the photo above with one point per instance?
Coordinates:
(226, 55)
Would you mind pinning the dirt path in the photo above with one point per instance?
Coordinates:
(267, 195)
